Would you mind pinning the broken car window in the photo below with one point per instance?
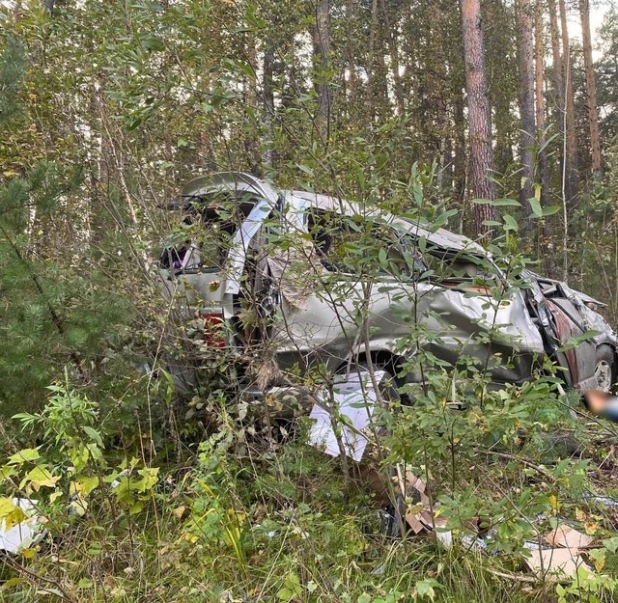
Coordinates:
(350, 244)
(453, 267)
(203, 238)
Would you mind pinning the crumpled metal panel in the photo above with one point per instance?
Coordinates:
(328, 328)
(321, 312)
(566, 329)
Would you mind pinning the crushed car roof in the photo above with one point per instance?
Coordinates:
(239, 182)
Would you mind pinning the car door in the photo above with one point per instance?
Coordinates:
(348, 265)
(578, 351)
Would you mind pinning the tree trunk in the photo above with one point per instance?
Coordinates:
(540, 102)
(481, 153)
(269, 104)
(525, 49)
(349, 15)
(571, 183)
(391, 35)
(539, 56)
(591, 90)
(321, 45)
(459, 169)
(558, 85)
(378, 74)
(437, 76)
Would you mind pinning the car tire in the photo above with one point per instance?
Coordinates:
(605, 369)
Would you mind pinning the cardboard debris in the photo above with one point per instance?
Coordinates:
(565, 536)
(413, 489)
(548, 564)
(419, 516)
(414, 522)
(415, 483)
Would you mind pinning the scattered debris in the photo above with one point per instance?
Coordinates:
(476, 545)
(418, 510)
(341, 429)
(546, 563)
(602, 500)
(25, 533)
(565, 536)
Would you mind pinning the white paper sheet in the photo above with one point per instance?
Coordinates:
(24, 534)
(355, 408)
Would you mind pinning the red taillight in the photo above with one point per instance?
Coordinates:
(214, 334)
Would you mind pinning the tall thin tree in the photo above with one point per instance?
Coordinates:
(268, 102)
(557, 83)
(591, 90)
(525, 49)
(539, 87)
(321, 44)
(481, 153)
(539, 59)
(570, 169)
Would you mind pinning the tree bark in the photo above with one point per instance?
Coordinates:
(481, 153)
(591, 90)
(378, 74)
(269, 103)
(569, 108)
(321, 44)
(544, 234)
(539, 57)
(351, 59)
(391, 36)
(558, 85)
(437, 77)
(459, 169)
(525, 48)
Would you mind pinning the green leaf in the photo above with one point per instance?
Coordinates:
(497, 202)
(551, 210)
(10, 513)
(93, 434)
(535, 204)
(304, 168)
(39, 477)
(150, 42)
(291, 588)
(426, 588)
(24, 456)
(575, 340)
(510, 223)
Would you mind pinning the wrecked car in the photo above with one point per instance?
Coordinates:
(285, 282)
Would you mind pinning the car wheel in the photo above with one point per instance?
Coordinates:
(604, 372)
